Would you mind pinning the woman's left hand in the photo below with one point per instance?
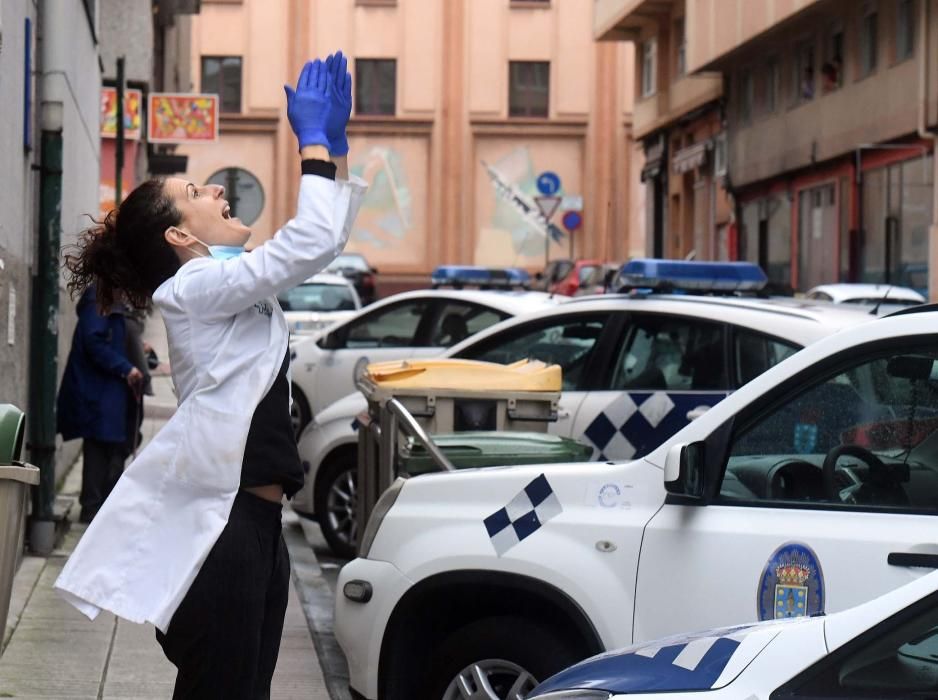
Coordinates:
(340, 91)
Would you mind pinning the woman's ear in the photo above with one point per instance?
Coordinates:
(177, 237)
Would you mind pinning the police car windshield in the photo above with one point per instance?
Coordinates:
(864, 435)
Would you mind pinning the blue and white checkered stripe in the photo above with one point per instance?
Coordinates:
(524, 515)
(691, 663)
(634, 423)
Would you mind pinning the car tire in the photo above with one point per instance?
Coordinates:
(335, 501)
(503, 648)
(300, 415)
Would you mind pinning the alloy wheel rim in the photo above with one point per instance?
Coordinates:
(341, 506)
(491, 679)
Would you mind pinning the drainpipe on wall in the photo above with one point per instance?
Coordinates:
(925, 133)
(44, 323)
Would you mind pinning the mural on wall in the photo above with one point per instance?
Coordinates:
(389, 230)
(512, 229)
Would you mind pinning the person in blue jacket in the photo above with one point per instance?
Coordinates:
(94, 399)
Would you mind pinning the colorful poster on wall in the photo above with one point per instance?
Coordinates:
(133, 103)
(511, 229)
(182, 118)
(390, 229)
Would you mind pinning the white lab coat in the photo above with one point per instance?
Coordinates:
(227, 339)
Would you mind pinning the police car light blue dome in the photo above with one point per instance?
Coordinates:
(653, 273)
(452, 275)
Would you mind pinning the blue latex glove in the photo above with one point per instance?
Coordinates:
(309, 106)
(340, 84)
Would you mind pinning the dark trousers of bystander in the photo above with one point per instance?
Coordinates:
(224, 637)
(102, 466)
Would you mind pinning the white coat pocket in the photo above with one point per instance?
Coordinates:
(211, 447)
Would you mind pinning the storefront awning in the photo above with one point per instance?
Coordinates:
(691, 157)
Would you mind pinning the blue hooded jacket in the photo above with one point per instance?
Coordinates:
(94, 396)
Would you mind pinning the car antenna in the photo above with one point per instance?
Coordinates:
(875, 310)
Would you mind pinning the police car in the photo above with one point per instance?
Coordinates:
(412, 324)
(319, 302)
(887, 648)
(811, 489)
(636, 369)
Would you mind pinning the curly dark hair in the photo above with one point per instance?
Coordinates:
(126, 255)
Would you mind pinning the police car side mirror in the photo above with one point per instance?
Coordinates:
(684, 470)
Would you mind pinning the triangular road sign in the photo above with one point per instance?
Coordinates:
(548, 204)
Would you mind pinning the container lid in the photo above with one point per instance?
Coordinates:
(12, 422)
(524, 375)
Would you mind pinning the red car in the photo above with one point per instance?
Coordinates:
(581, 273)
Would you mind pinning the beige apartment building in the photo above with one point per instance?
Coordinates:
(678, 126)
(459, 106)
(830, 117)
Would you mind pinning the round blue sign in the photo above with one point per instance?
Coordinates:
(792, 584)
(572, 220)
(548, 183)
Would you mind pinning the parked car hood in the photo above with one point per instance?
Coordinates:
(688, 662)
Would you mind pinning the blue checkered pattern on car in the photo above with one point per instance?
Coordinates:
(635, 423)
(524, 515)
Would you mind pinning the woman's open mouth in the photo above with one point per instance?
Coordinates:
(226, 212)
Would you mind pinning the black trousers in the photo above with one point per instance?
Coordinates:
(102, 466)
(225, 636)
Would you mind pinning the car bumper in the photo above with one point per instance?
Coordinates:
(360, 627)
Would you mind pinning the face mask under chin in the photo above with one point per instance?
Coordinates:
(220, 252)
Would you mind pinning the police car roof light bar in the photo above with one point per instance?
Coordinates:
(690, 276)
(477, 276)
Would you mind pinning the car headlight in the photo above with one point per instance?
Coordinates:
(300, 326)
(377, 516)
(574, 695)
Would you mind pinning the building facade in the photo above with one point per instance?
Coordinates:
(832, 109)
(678, 124)
(459, 106)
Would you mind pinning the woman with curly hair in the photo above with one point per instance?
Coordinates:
(189, 539)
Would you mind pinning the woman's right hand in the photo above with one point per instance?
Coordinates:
(309, 106)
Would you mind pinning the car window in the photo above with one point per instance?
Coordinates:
(457, 320)
(568, 342)
(896, 659)
(587, 272)
(561, 271)
(388, 327)
(820, 296)
(672, 353)
(756, 352)
(864, 436)
(317, 297)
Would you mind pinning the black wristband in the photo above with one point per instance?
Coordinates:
(322, 168)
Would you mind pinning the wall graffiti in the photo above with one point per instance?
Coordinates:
(513, 231)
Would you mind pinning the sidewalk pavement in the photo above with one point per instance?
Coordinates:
(50, 650)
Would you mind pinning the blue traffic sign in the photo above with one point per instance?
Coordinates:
(572, 220)
(548, 183)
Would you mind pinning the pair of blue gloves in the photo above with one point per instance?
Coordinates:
(320, 106)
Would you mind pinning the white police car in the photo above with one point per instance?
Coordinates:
(636, 369)
(811, 489)
(319, 302)
(412, 324)
(886, 648)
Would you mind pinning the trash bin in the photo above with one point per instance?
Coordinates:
(15, 480)
(491, 449)
(421, 397)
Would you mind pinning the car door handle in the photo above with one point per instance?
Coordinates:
(927, 561)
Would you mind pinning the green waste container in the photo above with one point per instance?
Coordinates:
(467, 450)
(15, 480)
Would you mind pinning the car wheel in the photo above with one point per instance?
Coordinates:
(336, 501)
(300, 415)
(497, 658)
